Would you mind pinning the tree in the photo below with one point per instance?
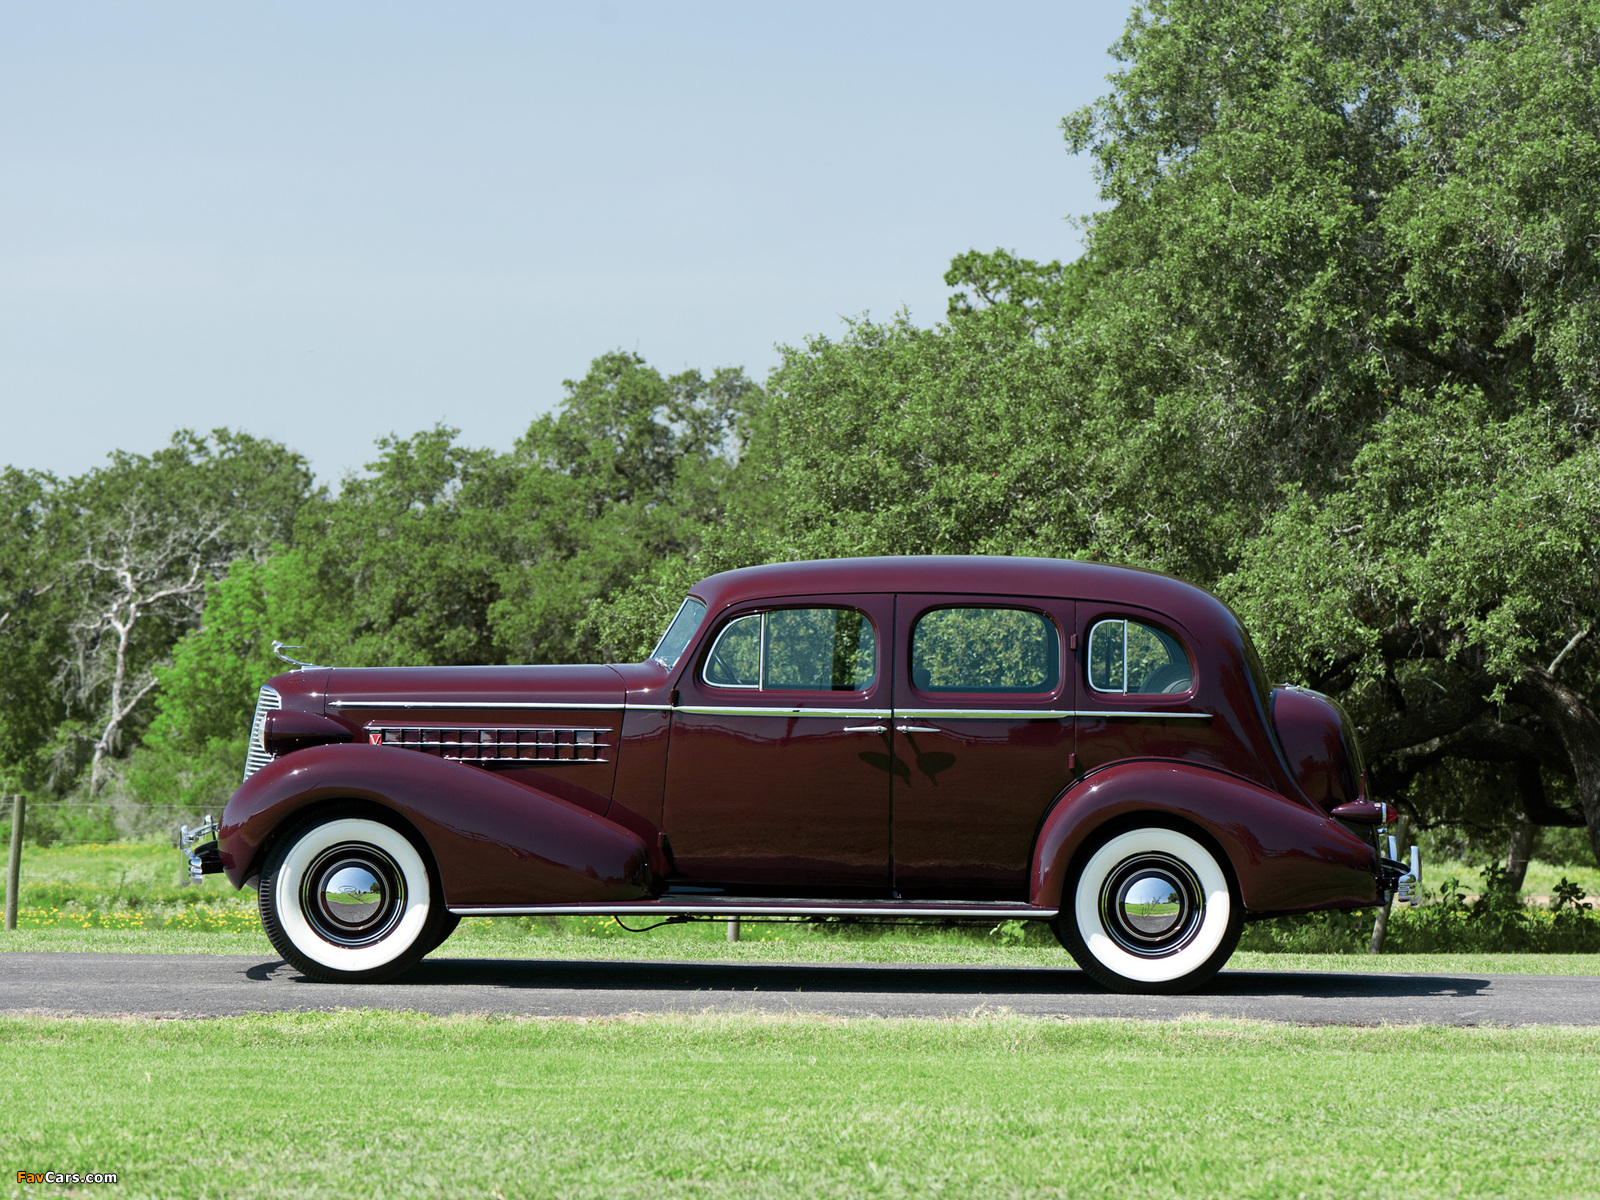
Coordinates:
(633, 470)
(1330, 352)
(892, 440)
(406, 560)
(441, 553)
(32, 620)
(104, 573)
(1344, 323)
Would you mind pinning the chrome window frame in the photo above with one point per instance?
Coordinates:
(671, 625)
(761, 655)
(1088, 655)
(1039, 694)
(1088, 658)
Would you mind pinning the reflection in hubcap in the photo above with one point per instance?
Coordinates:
(1152, 905)
(353, 895)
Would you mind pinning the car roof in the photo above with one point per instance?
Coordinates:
(958, 574)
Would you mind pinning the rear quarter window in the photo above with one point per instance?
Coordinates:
(1134, 658)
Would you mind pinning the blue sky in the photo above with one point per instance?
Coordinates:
(323, 223)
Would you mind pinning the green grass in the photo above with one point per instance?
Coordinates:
(1540, 880)
(707, 944)
(125, 886)
(125, 897)
(366, 1103)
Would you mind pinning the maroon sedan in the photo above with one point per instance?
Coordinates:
(970, 738)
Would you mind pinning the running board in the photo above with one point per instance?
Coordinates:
(733, 906)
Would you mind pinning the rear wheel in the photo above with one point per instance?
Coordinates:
(349, 900)
(1151, 910)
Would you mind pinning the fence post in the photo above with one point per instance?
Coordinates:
(14, 863)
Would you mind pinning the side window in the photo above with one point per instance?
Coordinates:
(1130, 656)
(795, 650)
(985, 650)
(676, 639)
(819, 650)
(735, 659)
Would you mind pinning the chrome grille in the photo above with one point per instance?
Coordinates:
(499, 744)
(257, 756)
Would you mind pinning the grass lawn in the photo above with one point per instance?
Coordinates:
(124, 897)
(1539, 882)
(706, 943)
(392, 1104)
(367, 1103)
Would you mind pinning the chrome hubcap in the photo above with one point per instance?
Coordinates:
(353, 895)
(1152, 905)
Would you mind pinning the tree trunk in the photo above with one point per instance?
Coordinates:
(1575, 723)
(1522, 835)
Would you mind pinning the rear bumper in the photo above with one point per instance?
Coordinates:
(1401, 882)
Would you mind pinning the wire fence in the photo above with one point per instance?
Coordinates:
(101, 822)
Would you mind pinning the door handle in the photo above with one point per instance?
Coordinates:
(916, 729)
(866, 729)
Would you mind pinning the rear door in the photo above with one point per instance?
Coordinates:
(983, 738)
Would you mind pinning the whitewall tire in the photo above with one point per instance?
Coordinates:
(349, 900)
(1150, 910)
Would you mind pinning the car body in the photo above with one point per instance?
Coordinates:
(945, 737)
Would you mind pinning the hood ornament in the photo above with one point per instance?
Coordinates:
(278, 648)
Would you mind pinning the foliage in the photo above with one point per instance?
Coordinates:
(100, 576)
(889, 440)
(1330, 351)
(1344, 322)
(1495, 922)
(632, 470)
(34, 616)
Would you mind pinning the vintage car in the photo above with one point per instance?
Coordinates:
(980, 739)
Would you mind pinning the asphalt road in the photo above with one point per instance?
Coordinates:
(193, 985)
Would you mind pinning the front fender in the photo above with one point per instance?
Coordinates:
(1286, 857)
(495, 841)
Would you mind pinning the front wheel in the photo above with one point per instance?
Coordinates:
(349, 900)
(1152, 910)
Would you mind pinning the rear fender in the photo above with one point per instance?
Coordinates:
(1285, 857)
(494, 841)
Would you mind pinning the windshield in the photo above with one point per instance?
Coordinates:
(676, 639)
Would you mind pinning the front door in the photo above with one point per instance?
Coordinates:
(983, 740)
(778, 767)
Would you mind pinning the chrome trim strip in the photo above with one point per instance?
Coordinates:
(1037, 714)
(1155, 714)
(964, 714)
(721, 908)
(979, 714)
(507, 704)
(750, 710)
